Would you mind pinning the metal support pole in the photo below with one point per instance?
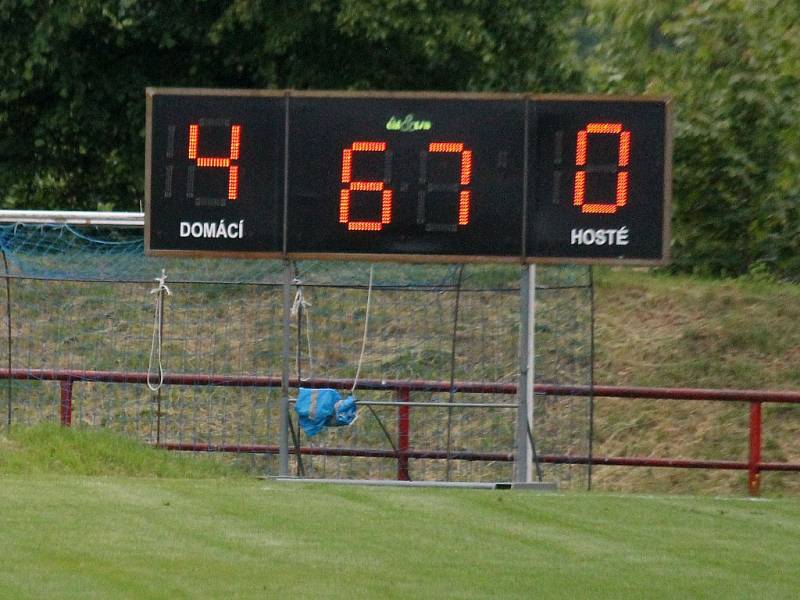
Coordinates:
(524, 453)
(284, 420)
(8, 338)
(162, 298)
(591, 378)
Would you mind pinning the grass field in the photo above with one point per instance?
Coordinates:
(133, 529)
(103, 537)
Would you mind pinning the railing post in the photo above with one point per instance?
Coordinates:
(66, 402)
(754, 459)
(403, 395)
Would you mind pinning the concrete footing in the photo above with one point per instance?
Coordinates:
(533, 486)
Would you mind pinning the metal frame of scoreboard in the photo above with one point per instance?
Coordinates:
(308, 183)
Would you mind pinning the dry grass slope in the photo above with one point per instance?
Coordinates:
(680, 331)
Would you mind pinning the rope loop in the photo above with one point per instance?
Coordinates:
(156, 342)
(366, 330)
(299, 299)
(300, 303)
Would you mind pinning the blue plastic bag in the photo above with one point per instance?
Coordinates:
(319, 408)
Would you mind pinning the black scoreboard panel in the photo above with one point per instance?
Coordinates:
(216, 171)
(599, 180)
(397, 176)
(407, 176)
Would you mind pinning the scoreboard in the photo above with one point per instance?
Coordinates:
(407, 176)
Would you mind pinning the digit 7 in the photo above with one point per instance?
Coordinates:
(345, 196)
(465, 174)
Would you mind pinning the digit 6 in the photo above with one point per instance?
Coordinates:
(345, 196)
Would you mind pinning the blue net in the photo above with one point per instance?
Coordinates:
(92, 253)
(103, 253)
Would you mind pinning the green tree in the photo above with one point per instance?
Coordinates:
(73, 73)
(732, 68)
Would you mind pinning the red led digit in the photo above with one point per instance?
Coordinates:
(217, 162)
(623, 159)
(345, 195)
(465, 176)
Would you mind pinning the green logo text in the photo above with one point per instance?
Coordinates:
(407, 123)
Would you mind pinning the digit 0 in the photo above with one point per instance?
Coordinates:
(346, 194)
(623, 159)
(216, 162)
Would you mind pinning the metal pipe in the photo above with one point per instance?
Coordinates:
(8, 339)
(414, 385)
(628, 461)
(73, 217)
(776, 466)
(403, 434)
(754, 466)
(445, 405)
(591, 378)
(527, 329)
(359, 452)
(670, 393)
(754, 455)
(451, 397)
(65, 412)
(635, 461)
(410, 484)
(285, 383)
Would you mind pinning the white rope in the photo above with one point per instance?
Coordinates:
(366, 328)
(155, 346)
(301, 302)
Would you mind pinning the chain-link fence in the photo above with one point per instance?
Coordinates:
(82, 299)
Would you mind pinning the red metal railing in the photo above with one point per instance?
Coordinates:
(756, 398)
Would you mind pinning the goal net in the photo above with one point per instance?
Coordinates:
(438, 370)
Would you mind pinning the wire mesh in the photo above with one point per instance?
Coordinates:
(81, 300)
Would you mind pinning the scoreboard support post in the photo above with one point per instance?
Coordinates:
(524, 452)
(283, 440)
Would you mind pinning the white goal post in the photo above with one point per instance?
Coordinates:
(73, 217)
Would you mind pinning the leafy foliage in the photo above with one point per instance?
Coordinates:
(73, 73)
(731, 67)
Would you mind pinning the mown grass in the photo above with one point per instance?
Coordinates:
(103, 537)
(53, 450)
